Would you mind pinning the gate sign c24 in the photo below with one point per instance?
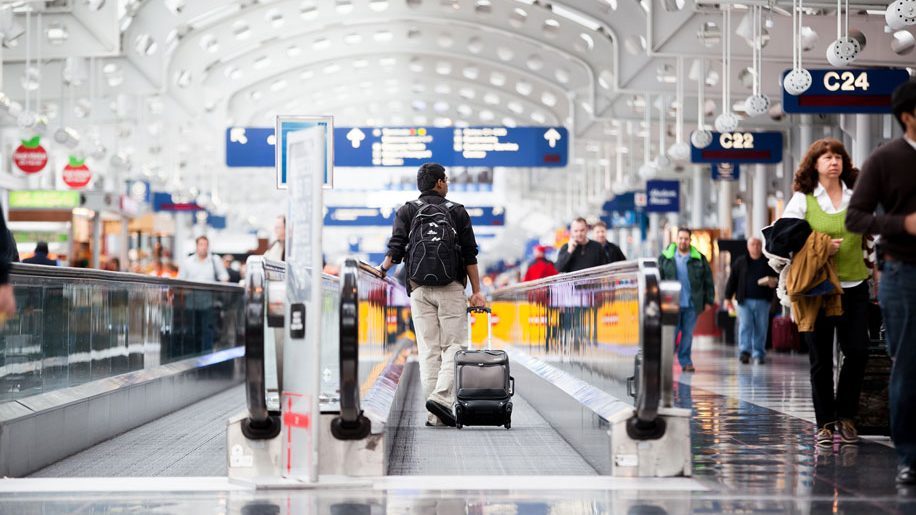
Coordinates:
(846, 91)
(412, 146)
(663, 196)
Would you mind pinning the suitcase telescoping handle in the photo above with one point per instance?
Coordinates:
(472, 310)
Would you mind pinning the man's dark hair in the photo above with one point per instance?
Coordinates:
(428, 175)
(903, 100)
(202, 237)
(600, 223)
(41, 246)
(684, 229)
(581, 220)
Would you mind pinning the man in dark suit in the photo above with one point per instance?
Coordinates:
(41, 256)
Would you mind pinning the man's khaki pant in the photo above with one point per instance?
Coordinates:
(440, 319)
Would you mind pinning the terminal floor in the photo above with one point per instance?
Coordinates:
(753, 451)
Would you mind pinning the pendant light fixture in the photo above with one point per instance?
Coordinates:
(845, 49)
(727, 121)
(900, 14)
(701, 137)
(757, 103)
(679, 151)
(799, 79)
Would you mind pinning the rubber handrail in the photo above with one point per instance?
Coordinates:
(63, 272)
(260, 424)
(351, 424)
(578, 276)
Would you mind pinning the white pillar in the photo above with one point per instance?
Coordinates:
(863, 141)
(726, 199)
(653, 238)
(697, 206)
(758, 209)
(805, 133)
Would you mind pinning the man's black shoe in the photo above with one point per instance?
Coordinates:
(441, 411)
(906, 475)
(745, 358)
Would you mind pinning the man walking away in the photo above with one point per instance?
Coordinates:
(614, 254)
(203, 266)
(888, 179)
(41, 256)
(682, 262)
(435, 238)
(580, 253)
(752, 282)
(540, 267)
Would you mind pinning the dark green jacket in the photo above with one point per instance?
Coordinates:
(703, 290)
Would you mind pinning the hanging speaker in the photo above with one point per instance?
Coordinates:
(701, 138)
(756, 105)
(843, 51)
(797, 81)
(726, 122)
(679, 152)
(900, 14)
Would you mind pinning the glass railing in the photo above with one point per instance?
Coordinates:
(73, 326)
(603, 325)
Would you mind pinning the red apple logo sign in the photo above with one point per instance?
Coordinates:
(30, 157)
(76, 173)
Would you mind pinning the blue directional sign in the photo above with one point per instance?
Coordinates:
(664, 196)
(413, 146)
(360, 216)
(740, 147)
(727, 172)
(846, 91)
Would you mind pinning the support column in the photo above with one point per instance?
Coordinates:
(653, 238)
(726, 199)
(862, 145)
(697, 206)
(758, 208)
(97, 240)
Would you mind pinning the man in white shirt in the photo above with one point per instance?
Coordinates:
(203, 266)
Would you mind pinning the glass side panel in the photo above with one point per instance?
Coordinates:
(70, 330)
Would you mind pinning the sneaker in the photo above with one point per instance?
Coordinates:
(759, 361)
(847, 431)
(442, 411)
(745, 358)
(824, 437)
(688, 368)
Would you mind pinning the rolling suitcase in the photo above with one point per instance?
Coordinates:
(785, 334)
(874, 417)
(483, 386)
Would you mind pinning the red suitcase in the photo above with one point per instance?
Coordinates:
(785, 335)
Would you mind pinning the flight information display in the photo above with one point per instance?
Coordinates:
(413, 146)
(846, 91)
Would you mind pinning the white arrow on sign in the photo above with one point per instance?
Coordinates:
(552, 136)
(356, 136)
(237, 135)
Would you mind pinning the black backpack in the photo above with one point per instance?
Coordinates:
(432, 249)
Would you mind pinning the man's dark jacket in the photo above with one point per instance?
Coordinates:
(614, 254)
(40, 258)
(585, 256)
(700, 275)
(400, 237)
(738, 278)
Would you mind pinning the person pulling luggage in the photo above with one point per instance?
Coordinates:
(435, 239)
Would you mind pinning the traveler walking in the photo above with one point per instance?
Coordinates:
(41, 256)
(580, 253)
(823, 186)
(540, 267)
(202, 265)
(682, 262)
(436, 240)
(752, 283)
(888, 180)
(614, 254)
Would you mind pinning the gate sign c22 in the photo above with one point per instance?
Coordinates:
(663, 196)
(740, 147)
(846, 91)
(413, 146)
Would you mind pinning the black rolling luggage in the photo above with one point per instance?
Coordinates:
(874, 402)
(483, 386)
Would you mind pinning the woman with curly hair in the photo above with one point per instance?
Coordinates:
(823, 186)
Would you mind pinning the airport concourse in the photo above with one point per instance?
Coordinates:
(457, 257)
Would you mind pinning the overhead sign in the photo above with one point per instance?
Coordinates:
(30, 156)
(76, 174)
(291, 124)
(846, 91)
(413, 146)
(360, 216)
(663, 196)
(740, 147)
(163, 202)
(726, 172)
(43, 199)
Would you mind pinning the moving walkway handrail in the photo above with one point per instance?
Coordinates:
(89, 274)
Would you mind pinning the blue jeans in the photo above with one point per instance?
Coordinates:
(753, 320)
(897, 295)
(686, 321)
